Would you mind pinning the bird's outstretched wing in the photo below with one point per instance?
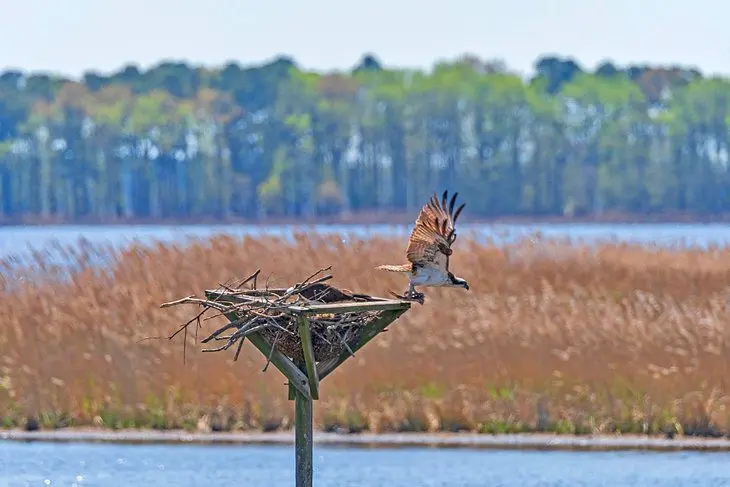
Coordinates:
(430, 241)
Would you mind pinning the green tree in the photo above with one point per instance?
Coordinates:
(178, 141)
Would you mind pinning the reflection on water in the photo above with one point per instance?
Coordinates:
(115, 465)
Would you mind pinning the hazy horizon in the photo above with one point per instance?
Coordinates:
(80, 35)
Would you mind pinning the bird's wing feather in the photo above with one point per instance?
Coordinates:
(431, 238)
(424, 248)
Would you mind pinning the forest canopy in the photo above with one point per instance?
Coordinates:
(274, 140)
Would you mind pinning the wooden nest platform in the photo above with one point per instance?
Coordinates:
(313, 325)
(306, 330)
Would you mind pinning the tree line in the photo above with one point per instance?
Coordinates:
(183, 142)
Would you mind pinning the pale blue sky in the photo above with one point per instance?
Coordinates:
(71, 36)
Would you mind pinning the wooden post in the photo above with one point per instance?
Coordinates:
(303, 409)
(303, 441)
(310, 365)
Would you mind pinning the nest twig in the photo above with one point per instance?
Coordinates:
(268, 313)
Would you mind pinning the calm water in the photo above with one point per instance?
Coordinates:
(116, 465)
(15, 240)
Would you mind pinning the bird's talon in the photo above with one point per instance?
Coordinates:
(409, 296)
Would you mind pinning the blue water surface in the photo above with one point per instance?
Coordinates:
(26, 464)
(16, 240)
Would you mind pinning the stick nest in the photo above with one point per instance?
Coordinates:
(268, 312)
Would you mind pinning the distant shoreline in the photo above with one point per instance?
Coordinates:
(376, 218)
(385, 440)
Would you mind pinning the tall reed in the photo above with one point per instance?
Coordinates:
(553, 336)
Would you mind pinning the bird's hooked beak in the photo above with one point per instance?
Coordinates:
(466, 286)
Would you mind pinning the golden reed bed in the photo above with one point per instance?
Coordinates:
(552, 336)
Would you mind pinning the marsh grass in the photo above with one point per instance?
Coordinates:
(553, 336)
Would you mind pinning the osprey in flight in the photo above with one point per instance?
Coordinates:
(429, 248)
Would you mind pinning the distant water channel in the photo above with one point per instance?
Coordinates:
(16, 240)
(120, 465)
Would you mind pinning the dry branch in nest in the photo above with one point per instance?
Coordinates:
(275, 315)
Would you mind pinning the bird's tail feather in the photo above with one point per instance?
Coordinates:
(395, 268)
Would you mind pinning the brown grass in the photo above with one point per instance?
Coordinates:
(552, 336)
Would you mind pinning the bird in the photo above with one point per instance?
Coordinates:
(429, 249)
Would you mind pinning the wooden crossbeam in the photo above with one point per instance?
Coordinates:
(296, 377)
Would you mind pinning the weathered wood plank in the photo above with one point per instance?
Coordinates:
(371, 331)
(303, 440)
(311, 366)
(387, 305)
